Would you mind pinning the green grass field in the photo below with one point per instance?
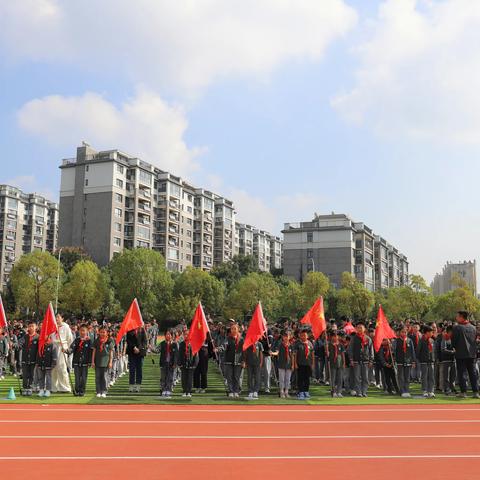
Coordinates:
(215, 395)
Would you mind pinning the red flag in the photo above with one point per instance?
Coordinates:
(198, 330)
(348, 328)
(256, 329)
(382, 330)
(316, 318)
(49, 326)
(3, 317)
(133, 320)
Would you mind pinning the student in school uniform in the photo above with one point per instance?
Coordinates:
(253, 362)
(46, 361)
(283, 353)
(304, 364)
(404, 353)
(415, 371)
(136, 351)
(168, 363)
(102, 358)
(81, 351)
(233, 361)
(448, 372)
(4, 351)
(425, 358)
(336, 361)
(187, 363)
(29, 357)
(361, 357)
(386, 359)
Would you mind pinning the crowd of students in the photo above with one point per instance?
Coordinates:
(442, 357)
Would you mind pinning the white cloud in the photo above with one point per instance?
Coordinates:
(144, 125)
(181, 44)
(419, 72)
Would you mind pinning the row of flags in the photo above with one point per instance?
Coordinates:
(199, 329)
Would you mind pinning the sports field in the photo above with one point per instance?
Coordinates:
(215, 395)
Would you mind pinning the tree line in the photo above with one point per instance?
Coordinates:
(230, 290)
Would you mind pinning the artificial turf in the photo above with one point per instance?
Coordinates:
(119, 394)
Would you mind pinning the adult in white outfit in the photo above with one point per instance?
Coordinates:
(60, 380)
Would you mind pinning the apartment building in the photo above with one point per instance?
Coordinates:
(28, 222)
(334, 244)
(110, 200)
(445, 281)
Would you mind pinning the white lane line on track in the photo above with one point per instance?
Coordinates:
(246, 409)
(230, 437)
(300, 457)
(240, 422)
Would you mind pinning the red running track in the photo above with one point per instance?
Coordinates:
(209, 442)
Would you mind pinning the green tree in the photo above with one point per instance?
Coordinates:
(251, 289)
(354, 300)
(231, 272)
(201, 286)
(34, 280)
(85, 289)
(183, 308)
(447, 305)
(315, 284)
(140, 273)
(70, 256)
(291, 300)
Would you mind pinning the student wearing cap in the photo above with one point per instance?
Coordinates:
(304, 363)
(361, 356)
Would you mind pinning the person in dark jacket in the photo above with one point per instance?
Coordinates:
(187, 363)
(46, 361)
(386, 360)
(102, 358)
(168, 362)
(29, 347)
(283, 353)
(425, 359)
(233, 361)
(361, 355)
(464, 344)
(136, 351)
(448, 372)
(81, 348)
(336, 359)
(404, 353)
(253, 361)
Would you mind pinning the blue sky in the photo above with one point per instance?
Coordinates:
(369, 108)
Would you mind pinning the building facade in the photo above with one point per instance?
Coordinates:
(334, 244)
(446, 281)
(28, 223)
(110, 201)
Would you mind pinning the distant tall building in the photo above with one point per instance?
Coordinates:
(110, 201)
(28, 222)
(334, 244)
(445, 281)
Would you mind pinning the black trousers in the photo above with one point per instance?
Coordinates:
(187, 380)
(467, 365)
(27, 375)
(81, 375)
(201, 372)
(390, 380)
(304, 372)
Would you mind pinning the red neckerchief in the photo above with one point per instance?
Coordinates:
(102, 343)
(305, 345)
(417, 336)
(30, 340)
(363, 339)
(335, 354)
(168, 348)
(236, 342)
(404, 344)
(80, 344)
(287, 352)
(386, 352)
(254, 349)
(429, 343)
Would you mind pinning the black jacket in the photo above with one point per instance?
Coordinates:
(137, 339)
(463, 341)
(424, 354)
(29, 352)
(173, 354)
(185, 357)
(48, 359)
(82, 357)
(406, 358)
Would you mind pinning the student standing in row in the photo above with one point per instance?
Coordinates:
(81, 349)
(187, 363)
(361, 356)
(253, 362)
(336, 364)
(284, 354)
(102, 359)
(233, 362)
(425, 358)
(304, 364)
(29, 357)
(46, 361)
(168, 364)
(404, 352)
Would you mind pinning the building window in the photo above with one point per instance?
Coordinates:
(118, 227)
(117, 241)
(143, 232)
(87, 167)
(145, 177)
(173, 254)
(309, 253)
(118, 212)
(175, 190)
(120, 169)
(118, 198)
(86, 182)
(119, 183)
(309, 237)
